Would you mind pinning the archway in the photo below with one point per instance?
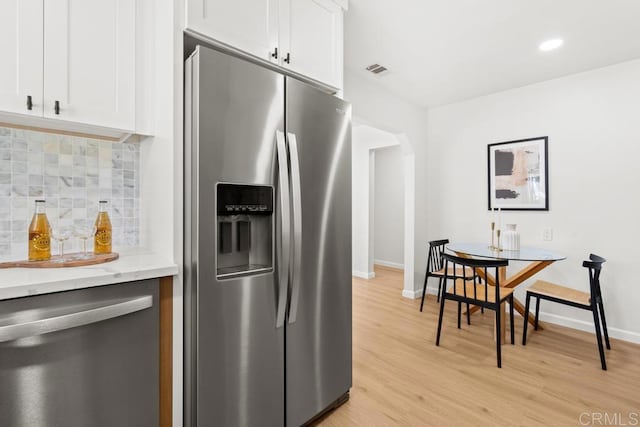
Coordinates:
(366, 139)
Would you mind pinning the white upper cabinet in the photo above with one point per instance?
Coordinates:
(312, 39)
(21, 53)
(304, 36)
(248, 25)
(89, 62)
(70, 64)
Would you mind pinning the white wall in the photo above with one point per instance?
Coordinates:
(383, 110)
(359, 211)
(365, 140)
(388, 188)
(593, 123)
(161, 163)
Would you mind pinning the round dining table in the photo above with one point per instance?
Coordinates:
(537, 259)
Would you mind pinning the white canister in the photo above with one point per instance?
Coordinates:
(510, 239)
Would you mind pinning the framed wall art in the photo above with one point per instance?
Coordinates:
(519, 175)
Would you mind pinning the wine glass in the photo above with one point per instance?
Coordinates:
(85, 232)
(60, 234)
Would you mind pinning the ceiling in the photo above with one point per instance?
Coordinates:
(442, 51)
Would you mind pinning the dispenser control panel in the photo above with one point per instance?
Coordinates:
(234, 199)
(245, 226)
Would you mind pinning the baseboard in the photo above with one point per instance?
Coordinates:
(569, 322)
(363, 275)
(431, 290)
(556, 319)
(412, 294)
(417, 293)
(389, 264)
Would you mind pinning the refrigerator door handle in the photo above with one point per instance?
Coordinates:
(285, 253)
(297, 226)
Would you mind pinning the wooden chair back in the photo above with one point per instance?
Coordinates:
(434, 258)
(594, 265)
(486, 266)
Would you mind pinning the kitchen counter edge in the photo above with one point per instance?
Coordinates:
(133, 264)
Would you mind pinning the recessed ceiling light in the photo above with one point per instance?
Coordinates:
(550, 44)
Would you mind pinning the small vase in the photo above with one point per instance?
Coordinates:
(510, 238)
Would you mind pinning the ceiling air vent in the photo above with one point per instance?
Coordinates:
(377, 69)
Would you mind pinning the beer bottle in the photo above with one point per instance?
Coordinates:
(102, 239)
(39, 234)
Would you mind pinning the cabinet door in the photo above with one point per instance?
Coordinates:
(21, 53)
(89, 61)
(248, 25)
(313, 38)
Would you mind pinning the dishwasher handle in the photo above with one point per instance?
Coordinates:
(73, 320)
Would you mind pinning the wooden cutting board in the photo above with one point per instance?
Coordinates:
(69, 261)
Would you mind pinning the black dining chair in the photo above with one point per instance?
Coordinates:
(435, 268)
(591, 301)
(473, 292)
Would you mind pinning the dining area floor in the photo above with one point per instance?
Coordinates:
(400, 377)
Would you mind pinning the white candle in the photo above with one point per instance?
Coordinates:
(493, 215)
(499, 218)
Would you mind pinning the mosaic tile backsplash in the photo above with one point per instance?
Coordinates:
(72, 174)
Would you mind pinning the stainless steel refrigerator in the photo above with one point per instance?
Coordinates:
(267, 245)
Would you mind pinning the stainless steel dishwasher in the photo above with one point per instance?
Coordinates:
(81, 358)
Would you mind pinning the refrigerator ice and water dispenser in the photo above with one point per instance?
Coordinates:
(245, 229)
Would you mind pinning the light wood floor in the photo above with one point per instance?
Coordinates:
(401, 378)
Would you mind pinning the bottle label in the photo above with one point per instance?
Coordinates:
(103, 237)
(41, 242)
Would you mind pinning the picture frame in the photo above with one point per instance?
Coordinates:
(518, 175)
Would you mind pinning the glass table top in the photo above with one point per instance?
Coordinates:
(524, 254)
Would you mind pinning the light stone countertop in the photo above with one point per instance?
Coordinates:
(133, 264)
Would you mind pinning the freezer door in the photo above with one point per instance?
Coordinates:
(235, 351)
(318, 330)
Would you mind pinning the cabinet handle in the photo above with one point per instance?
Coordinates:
(56, 107)
(287, 59)
(29, 103)
(275, 53)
